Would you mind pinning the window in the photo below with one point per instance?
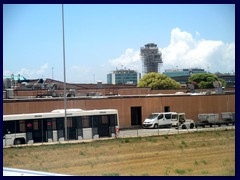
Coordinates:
(113, 120)
(160, 116)
(86, 122)
(166, 108)
(78, 121)
(54, 126)
(60, 123)
(22, 126)
(69, 122)
(168, 116)
(104, 120)
(9, 127)
(36, 124)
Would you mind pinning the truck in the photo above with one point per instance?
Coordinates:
(210, 119)
(159, 120)
(228, 117)
(180, 122)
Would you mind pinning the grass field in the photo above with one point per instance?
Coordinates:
(198, 153)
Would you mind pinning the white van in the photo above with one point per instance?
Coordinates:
(156, 120)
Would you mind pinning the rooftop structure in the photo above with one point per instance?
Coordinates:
(151, 58)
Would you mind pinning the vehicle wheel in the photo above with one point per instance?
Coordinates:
(17, 141)
(184, 126)
(155, 126)
(191, 126)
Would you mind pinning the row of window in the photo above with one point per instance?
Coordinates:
(23, 126)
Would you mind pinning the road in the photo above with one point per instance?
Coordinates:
(165, 131)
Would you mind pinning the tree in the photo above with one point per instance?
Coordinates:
(158, 81)
(205, 80)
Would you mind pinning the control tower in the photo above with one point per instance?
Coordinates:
(151, 58)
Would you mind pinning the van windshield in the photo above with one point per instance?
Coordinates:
(152, 116)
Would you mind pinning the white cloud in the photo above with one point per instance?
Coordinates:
(130, 59)
(186, 52)
(197, 33)
(30, 73)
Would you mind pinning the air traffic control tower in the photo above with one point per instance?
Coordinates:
(151, 58)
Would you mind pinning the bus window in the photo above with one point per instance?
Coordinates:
(113, 120)
(95, 121)
(9, 127)
(104, 120)
(36, 125)
(22, 127)
(78, 121)
(60, 123)
(86, 122)
(69, 122)
(29, 125)
(54, 126)
(49, 124)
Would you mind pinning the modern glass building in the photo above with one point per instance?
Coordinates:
(123, 76)
(182, 75)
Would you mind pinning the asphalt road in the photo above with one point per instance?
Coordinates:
(167, 131)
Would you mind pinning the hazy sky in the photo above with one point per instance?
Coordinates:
(101, 38)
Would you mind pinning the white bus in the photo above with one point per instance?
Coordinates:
(49, 127)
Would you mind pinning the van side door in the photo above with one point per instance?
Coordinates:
(168, 119)
(160, 119)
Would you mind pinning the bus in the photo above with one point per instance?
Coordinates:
(50, 126)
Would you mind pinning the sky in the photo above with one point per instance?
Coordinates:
(101, 38)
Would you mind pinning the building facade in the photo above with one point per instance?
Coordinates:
(182, 75)
(133, 109)
(151, 58)
(123, 76)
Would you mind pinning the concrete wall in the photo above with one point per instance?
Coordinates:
(191, 105)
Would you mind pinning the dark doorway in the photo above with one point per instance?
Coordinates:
(136, 116)
(166, 108)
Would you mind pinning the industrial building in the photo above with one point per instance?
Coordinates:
(133, 104)
(151, 58)
(132, 109)
(123, 76)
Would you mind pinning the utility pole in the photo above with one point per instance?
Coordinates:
(65, 98)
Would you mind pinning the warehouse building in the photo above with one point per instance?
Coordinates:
(132, 109)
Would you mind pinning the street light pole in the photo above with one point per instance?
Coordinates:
(65, 98)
